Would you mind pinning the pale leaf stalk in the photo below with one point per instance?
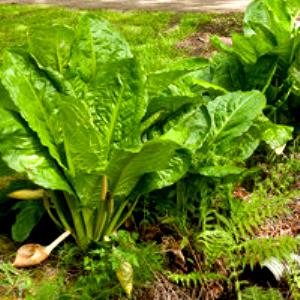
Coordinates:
(48, 209)
(129, 213)
(56, 242)
(78, 222)
(59, 211)
(102, 210)
(104, 188)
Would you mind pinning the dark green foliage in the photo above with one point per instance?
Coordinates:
(257, 293)
(29, 214)
(217, 232)
(22, 216)
(264, 57)
(100, 280)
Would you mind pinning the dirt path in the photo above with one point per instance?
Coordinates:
(178, 5)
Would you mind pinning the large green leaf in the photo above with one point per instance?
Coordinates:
(52, 51)
(177, 167)
(268, 29)
(242, 147)
(159, 81)
(126, 168)
(96, 65)
(35, 98)
(227, 72)
(6, 101)
(81, 138)
(260, 75)
(96, 43)
(22, 152)
(164, 107)
(105, 75)
(86, 157)
(117, 103)
(232, 115)
(272, 22)
(232, 135)
(87, 187)
(191, 129)
(30, 213)
(276, 16)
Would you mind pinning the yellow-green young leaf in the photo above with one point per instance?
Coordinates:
(125, 276)
(27, 194)
(208, 85)
(276, 136)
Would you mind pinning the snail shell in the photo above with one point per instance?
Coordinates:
(30, 255)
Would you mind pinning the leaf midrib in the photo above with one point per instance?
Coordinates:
(227, 121)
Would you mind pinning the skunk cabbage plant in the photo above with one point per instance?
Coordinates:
(79, 117)
(266, 56)
(71, 110)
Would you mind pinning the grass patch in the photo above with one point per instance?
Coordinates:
(152, 35)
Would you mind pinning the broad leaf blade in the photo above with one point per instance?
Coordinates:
(232, 117)
(260, 75)
(159, 81)
(191, 130)
(126, 168)
(275, 136)
(81, 138)
(227, 71)
(35, 98)
(242, 147)
(233, 114)
(272, 22)
(105, 75)
(164, 107)
(117, 102)
(178, 166)
(51, 53)
(96, 43)
(26, 219)
(23, 153)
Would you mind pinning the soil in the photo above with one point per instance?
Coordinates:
(198, 44)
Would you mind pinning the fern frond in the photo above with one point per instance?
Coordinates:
(245, 216)
(194, 279)
(215, 243)
(258, 293)
(253, 251)
(293, 280)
